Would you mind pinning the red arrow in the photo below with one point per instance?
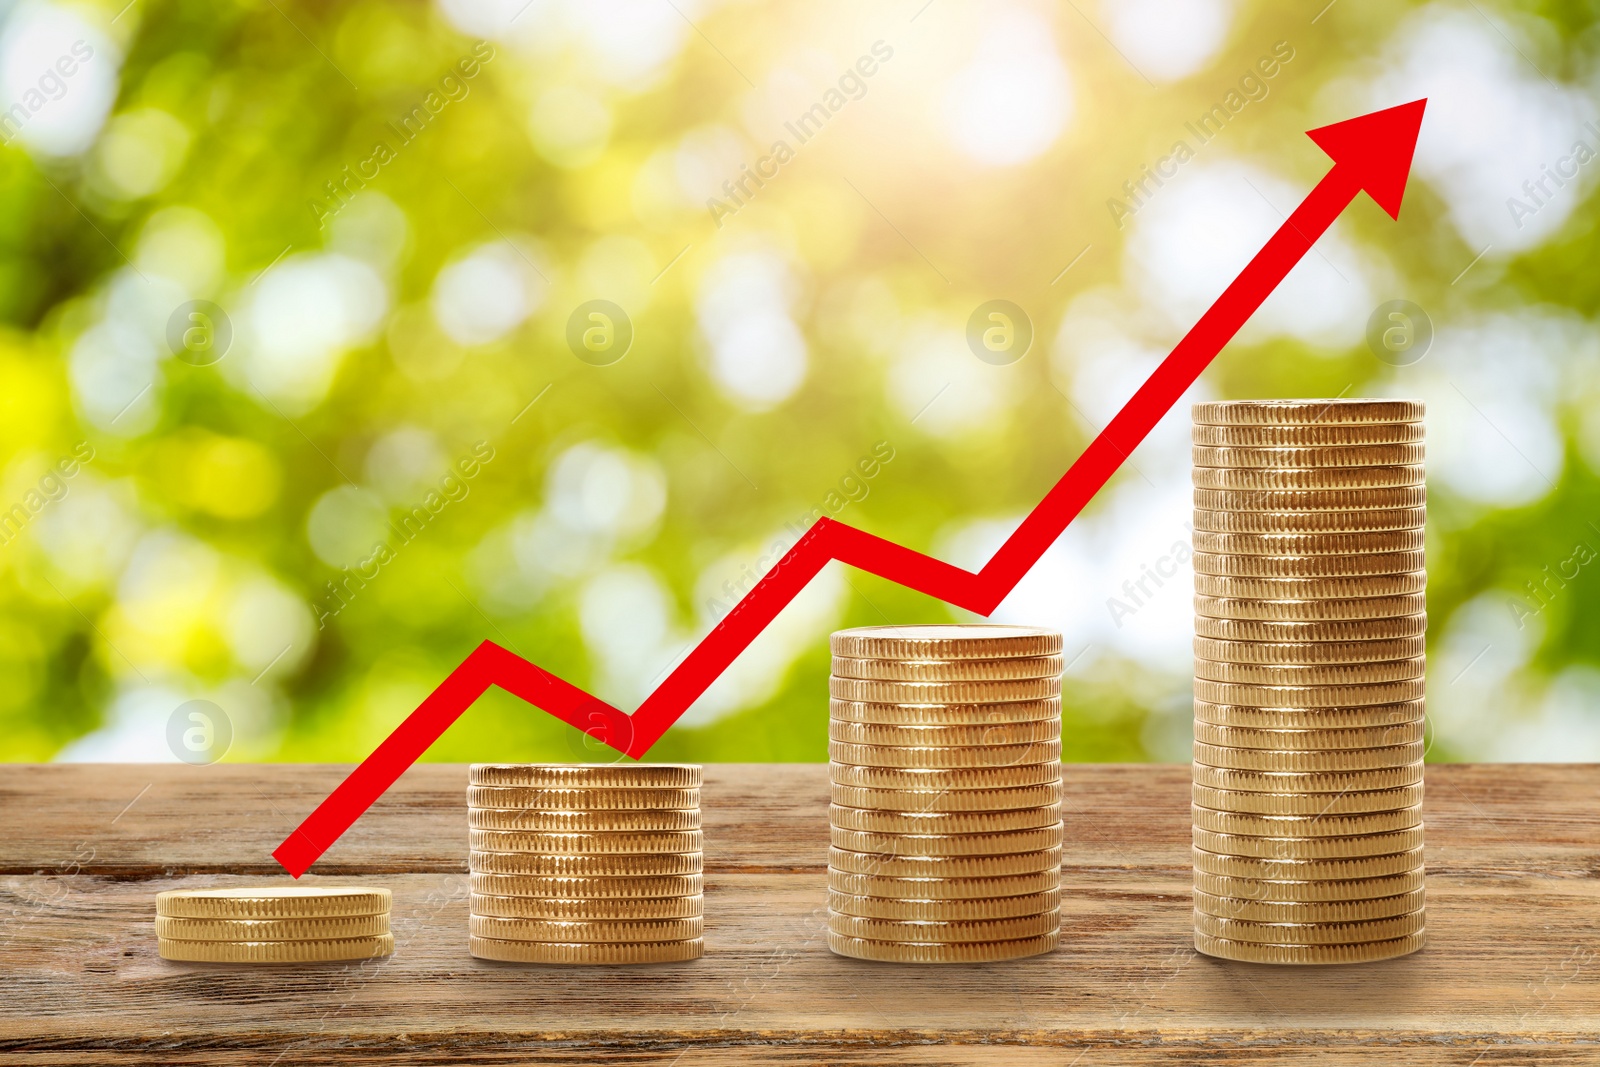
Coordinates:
(1372, 152)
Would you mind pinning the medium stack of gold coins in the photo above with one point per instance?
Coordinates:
(945, 744)
(1309, 630)
(580, 864)
(273, 924)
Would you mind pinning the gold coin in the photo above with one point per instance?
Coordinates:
(1342, 869)
(589, 932)
(1322, 824)
(1304, 500)
(1308, 782)
(1320, 761)
(1312, 674)
(1315, 435)
(335, 928)
(915, 910)
(1338, 411)
(1375, 542)
(488, 948)
(1303, 892)
(924, 932)
(997, 844)
(1355, 933)
(1251, 717)
(1364, 609)
(951, 757)
(352, 948)
(1308, 653)
(1351, 456)
(876, 821)
(583, 910)
(1364, 585)
(1307, 848)
(600, 799)
(1308, 477)
(1308, 740)
(943, 692)
(1279, 631)
(968, 889)
(587, 887)
(524, 819)
(1309, 696)
(920, 779)
(273, 902)
(586, 844)
(945, 641)
(947, 800)
(1003, 733)
(1307, 805)
(1367, 952)
(946, 714)
(947, 670)
(883, 866)
(907, 952)
(582, 775)
(1314, 911)
(632, 866)
(1240, 565)
(1364, 521)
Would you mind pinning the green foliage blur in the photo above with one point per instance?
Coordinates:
(391, 215)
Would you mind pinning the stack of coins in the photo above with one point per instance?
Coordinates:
(1310, 622)
(581, 864)
(945, 744)
(273, 924)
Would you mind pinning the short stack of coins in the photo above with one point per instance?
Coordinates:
(585, 864)
(1309, 636)
(945, 749)
(273, 924)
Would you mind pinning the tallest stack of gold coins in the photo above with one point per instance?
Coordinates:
(1309, 630)
(945, 744)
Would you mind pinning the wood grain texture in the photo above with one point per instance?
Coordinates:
(1511, 974)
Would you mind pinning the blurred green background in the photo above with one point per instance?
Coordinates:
(371, 445)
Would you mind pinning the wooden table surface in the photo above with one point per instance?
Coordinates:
(1511, 974)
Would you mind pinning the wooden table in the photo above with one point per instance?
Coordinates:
(1511, 974)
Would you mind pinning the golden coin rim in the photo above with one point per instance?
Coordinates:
(1283, 847)
(1313, 762)
(1310, 653)
(1251, 716)
(943, 932)
(1309, 955)
(1308, 478)
(892, 887)
(1310, 435)
(528, 820)
(958, 867)
(354, 948)
(1352, 609)
(320, 928)
(273, 902)
(599, 954)
(868, 691)
(1374, 498)
(1308, 568)
(1310, 911)
(981, 909)
(881, 821)
(1315, 890)
(1327, 456)
(952, 757)
(1372, 673)
(944, 714)
(999, 733)
(1298, 545)
(599, 799)
(1333, 869)
(1306, 804)
(606, 775)
(1021, 668)
(581, 909)
(592, 931)
(1308, 411)
(1335, 933)
(947, 778)
(969, 641)
(1309, 739)
(949, 801)
(1359, 587)
(606, 843)
(1309, 781)
(956, 952)
(626, 865)
(956, 844)
(590, 887)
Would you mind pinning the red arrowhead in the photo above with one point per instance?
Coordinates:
(1376, 149)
